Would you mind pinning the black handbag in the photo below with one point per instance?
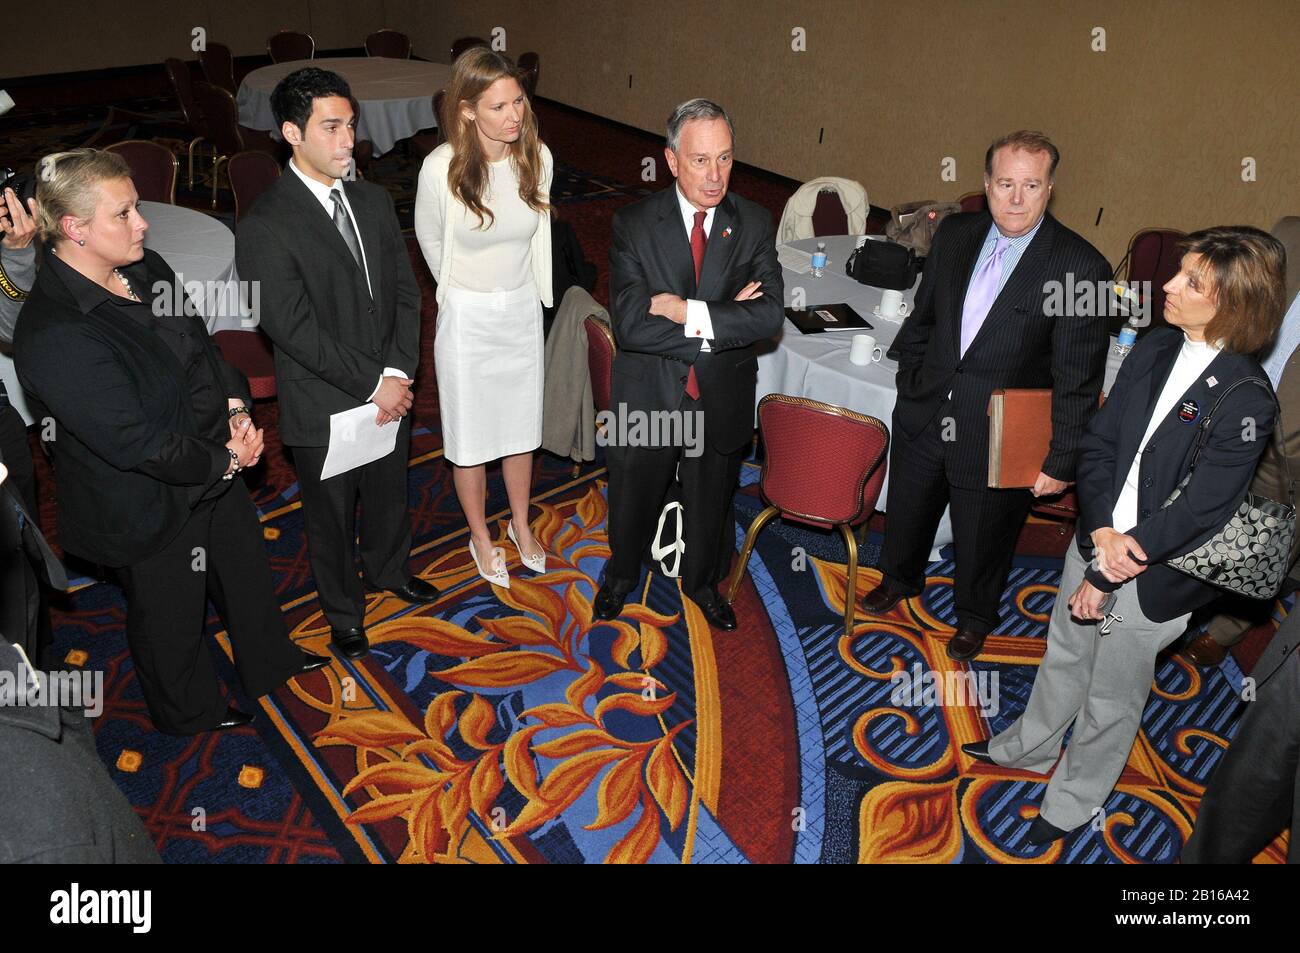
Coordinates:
(883, 265)
(1251, 555)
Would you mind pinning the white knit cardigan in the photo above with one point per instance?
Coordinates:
(434, 222)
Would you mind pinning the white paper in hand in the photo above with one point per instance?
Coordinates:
(355, 440)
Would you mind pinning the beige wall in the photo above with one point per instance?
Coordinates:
(1154, 129)
(70, 35)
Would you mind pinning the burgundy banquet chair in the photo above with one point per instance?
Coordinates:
(221, 116)
(829, 217)
(251, 173)
(153, 169)
(600, 360)
(218, 66)
(389, 43)
(1153, 255)
(825, 467)
(973, 202)
(289, 45)
(250, 353)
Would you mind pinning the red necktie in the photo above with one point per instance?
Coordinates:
(698, 241)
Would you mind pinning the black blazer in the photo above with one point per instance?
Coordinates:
(129, 459)
(1222, 475)
(1019, 345)
(651, 255)
(332, 340)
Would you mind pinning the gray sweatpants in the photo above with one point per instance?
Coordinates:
(1098, 683)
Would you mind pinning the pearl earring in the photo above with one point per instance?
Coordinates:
(81, 241)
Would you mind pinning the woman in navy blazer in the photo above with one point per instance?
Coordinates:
(1223, 307)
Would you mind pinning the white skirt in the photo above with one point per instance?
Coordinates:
(488, 355)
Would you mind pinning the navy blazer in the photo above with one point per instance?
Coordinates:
(651, 254)
(1022, 343)
(1237, 437)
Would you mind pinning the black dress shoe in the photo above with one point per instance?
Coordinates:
(416, 590)
(311, 662)
(351, 643)
(1041, 832)
(881, 599)
(234, 718)
(965, 645)
(719, 613)
(979, 750)
(608, 603)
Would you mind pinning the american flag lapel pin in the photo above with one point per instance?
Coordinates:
(726, 231)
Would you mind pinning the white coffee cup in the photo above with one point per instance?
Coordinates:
(864, 351)
(892, 304)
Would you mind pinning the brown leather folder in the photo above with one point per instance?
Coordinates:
(1020, 433)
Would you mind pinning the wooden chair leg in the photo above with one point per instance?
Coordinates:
(760, 521)
(851, 580)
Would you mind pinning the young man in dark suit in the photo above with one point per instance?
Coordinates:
(341, 305)
(694, 285)
(983, 320)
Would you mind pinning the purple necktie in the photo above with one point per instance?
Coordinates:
(981, 294)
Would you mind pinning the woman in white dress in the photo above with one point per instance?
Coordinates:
(482, 217)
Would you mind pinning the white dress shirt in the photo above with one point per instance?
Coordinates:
(1193, 358)
(322, 193)
(698, 324)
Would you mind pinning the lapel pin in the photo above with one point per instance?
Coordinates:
(1211, 380)
(1189, 411)
(726, 231)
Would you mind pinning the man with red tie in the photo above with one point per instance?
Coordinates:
(694, 286)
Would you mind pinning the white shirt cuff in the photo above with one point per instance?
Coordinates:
(388, 372)
(698, 324)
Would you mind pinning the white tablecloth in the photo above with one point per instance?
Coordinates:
(817, 366)
(199, 248)
(395, 96)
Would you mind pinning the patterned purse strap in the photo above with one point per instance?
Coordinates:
(1203, 436)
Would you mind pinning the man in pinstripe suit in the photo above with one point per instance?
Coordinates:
(984, 320)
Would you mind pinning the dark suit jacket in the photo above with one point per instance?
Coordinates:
(1019, 345)
(332, 340)
(1218, 485)
(651, 254)
(129, 458)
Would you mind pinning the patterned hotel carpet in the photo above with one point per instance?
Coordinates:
(506, 727)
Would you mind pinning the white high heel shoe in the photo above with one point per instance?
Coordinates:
(498, 576)
(535, 563)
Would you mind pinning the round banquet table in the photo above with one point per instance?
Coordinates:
(395, 96)
(200, 248)
(817, 366)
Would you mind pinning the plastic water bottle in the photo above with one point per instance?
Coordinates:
(1127, 335)
(819, 260)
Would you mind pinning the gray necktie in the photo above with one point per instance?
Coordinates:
(343, 222)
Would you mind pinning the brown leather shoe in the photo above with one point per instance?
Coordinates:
(881, 599)
(1204, 651)
(965, 645)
